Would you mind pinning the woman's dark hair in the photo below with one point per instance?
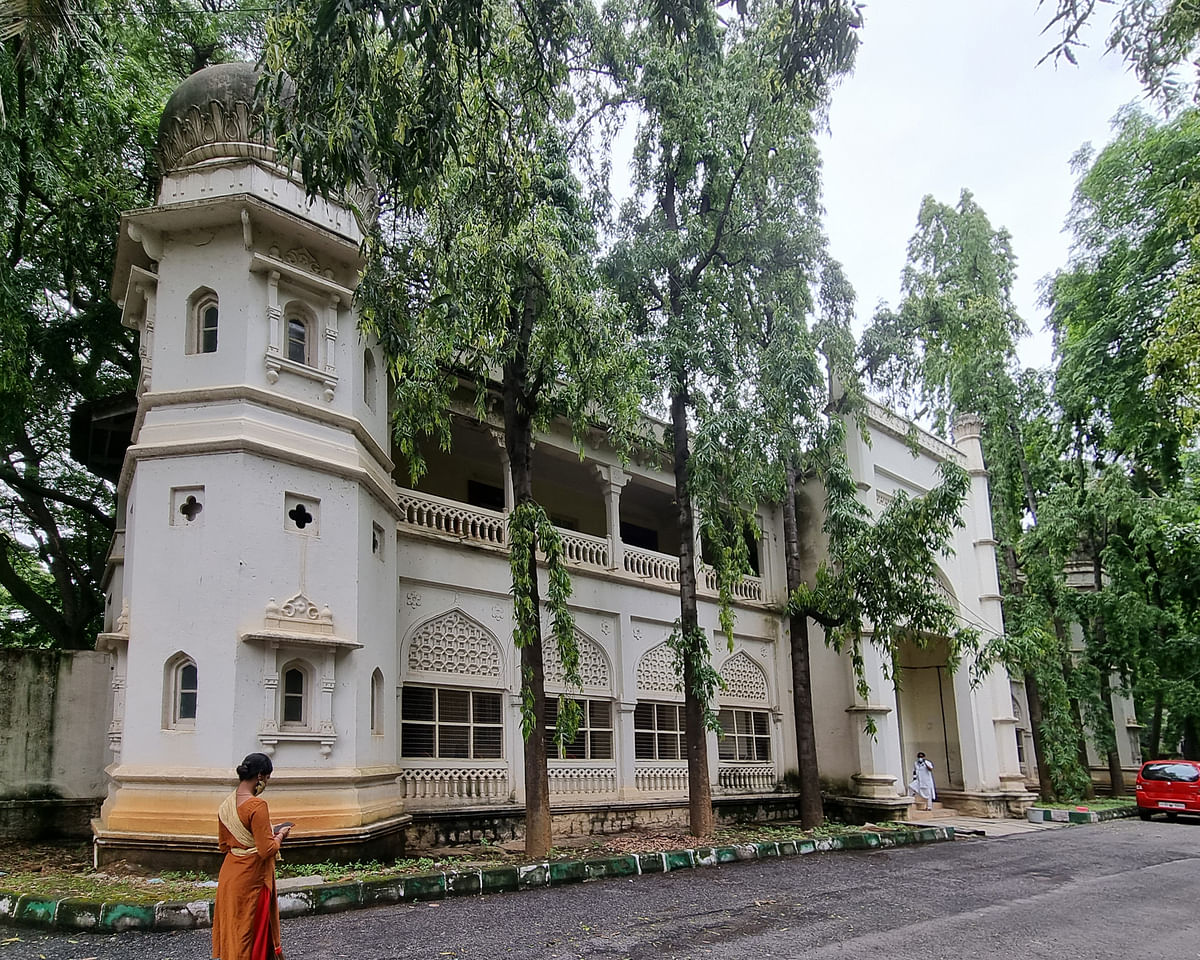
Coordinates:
(255, 765)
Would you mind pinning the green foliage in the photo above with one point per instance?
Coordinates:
(951, 348)
(1155, 37)
(955, 333)
(1132, 221)
(396, 89)
(691, 651)
(1121, 316)
(530, 528)
(480, 282)
(723, 226)
(81, 91)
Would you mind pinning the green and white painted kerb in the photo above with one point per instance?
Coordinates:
(74, 913)
(1051, 815)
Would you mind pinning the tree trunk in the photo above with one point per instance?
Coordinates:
(518, 441)
(1191, 742)
(1033, 692)
(1156, 719)
(1116, 775)
(700, 809)
(1033, 695)
(812, 813)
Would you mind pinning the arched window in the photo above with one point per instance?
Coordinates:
(295, 695)
(203, 316)
(370, 378)
(181, 688)
(299, 331)
(377, 702)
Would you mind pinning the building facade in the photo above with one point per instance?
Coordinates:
(275, 586)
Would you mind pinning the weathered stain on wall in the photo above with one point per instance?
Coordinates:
(54, 712)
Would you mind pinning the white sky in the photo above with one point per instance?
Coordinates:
(947, 94)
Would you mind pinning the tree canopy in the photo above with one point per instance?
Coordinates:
(81, 91)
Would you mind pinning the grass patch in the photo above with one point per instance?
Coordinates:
(771, 833)
(103, 888)
(1100, 803)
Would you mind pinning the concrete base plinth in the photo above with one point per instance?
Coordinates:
(994, 805)
(380, 841)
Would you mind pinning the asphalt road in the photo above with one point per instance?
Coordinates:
(1115, 890)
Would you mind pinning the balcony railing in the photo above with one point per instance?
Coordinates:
(748, 588)
(649, 565)
(660, 778)
(451, 518)
(431, 514)
(584, 549)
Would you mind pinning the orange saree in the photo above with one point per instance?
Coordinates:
(246, 917)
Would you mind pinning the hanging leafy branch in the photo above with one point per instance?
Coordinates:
(880, 582)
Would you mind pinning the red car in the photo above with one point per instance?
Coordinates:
(1168, 786)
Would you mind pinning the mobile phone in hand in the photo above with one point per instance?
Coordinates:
(280, 826)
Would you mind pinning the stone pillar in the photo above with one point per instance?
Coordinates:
(626, 759)
(510, 498)
(613, 479)
(880, 766)
(997, 763)
(769, 549)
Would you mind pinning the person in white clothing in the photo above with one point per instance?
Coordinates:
(921, 784)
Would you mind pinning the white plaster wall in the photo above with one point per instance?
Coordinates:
(216, 259)
(376, 630)
(196, 588)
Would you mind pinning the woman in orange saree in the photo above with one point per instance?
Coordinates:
(246, 917)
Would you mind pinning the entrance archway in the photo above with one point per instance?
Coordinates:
(928, 712)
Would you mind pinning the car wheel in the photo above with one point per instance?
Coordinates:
(1172, 817)
(1144, 814)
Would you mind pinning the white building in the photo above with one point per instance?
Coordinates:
(273, 588)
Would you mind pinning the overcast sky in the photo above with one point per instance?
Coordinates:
(948, 94)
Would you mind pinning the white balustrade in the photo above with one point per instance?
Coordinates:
(651, 566)
(660, 779)
(471, 784)
(451, 518)
(747, 588)
(756, 778)
(566, 781)
(431, 514)
(583, 549)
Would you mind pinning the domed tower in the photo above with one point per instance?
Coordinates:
(252, 589)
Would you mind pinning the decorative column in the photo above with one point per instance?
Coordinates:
(1003, 764)
(510, 498)
(626, 751)
(274, 328)
(116, 643)
(879, 755)
(613, 479)
(330, 345)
